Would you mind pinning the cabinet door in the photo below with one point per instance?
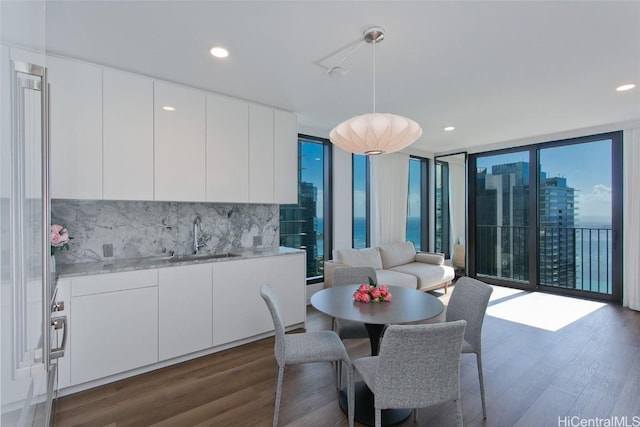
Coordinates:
(113, 332)
(64, 365)
(285, 171)
(76, 129)
(185, 309)
(260, 154)
(179, 145)
(287, 275)
(227, 149)
(127, 136)
(238, 309)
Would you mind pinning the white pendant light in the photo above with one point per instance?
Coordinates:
(375, 133)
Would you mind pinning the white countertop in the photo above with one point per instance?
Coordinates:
(118, 265)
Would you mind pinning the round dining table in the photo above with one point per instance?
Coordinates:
(406, 306)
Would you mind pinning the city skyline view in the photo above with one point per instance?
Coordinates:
(572, 215)
(583, 167)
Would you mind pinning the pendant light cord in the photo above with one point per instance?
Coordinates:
(374, 75)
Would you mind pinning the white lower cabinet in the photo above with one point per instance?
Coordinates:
(115, 324)
(185, 310)
(119, 322)
(238, 309)
(63, 302)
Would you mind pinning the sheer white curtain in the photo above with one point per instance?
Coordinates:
(456, 203)
(631, 219)
(389, 188)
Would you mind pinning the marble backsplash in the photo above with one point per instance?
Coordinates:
(138, 229)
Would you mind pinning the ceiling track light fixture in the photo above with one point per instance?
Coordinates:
(375, 133)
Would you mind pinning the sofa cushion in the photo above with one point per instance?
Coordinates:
(397, 254)
(396, 278)
(368, 257)
(430, 258)
(427, 275)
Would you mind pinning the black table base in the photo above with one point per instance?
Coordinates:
(365, 410)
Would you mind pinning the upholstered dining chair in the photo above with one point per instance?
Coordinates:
(348, 329)
(418, 366)
(469, 301)
(316, 346)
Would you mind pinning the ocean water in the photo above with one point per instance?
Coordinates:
(360, 237)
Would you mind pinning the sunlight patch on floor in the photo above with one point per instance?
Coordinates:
(544, 311)
(500, 292)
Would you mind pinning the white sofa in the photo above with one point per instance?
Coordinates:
(397, 264)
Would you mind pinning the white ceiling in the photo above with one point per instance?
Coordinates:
(497, 71)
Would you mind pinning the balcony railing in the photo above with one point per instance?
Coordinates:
(568, 257)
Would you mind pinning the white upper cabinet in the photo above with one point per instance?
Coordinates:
(76, 129)
(227, 149)
(127, 136)
(285, 160)
(121, 136)
(179, 145)
(260, 154)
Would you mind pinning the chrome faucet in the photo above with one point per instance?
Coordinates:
(197, 238)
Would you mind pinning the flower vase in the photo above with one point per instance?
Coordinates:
(52, 265)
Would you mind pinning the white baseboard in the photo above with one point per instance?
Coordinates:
(312, 289)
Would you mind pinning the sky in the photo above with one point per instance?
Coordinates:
(587, 168)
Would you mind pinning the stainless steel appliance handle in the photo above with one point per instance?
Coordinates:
(58, 323)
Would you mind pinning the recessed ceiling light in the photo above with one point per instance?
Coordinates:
(168, 108)
(628, 86)
(219, 52)
(449, 128)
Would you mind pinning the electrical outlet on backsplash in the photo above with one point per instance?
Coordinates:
(140, 229)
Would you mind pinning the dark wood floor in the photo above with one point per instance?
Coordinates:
(588, 369)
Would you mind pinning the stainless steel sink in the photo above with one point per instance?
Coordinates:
(202, 257)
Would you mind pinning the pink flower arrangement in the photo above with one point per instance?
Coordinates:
(59, 238)
(372, 292)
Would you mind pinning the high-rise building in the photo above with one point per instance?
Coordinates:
(502, 219)
(557, 243)
(298, 227)
(503, 224)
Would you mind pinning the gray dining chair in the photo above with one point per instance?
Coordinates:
(418, 366)
(316, 346)
(469, 301)
(348, 329)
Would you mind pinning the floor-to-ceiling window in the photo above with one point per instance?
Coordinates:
(360, 167)
(417, 203)
(303, 225)
(576, 219)
(442, 216)
(549, 216)
(501, 213)
(450, 206)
